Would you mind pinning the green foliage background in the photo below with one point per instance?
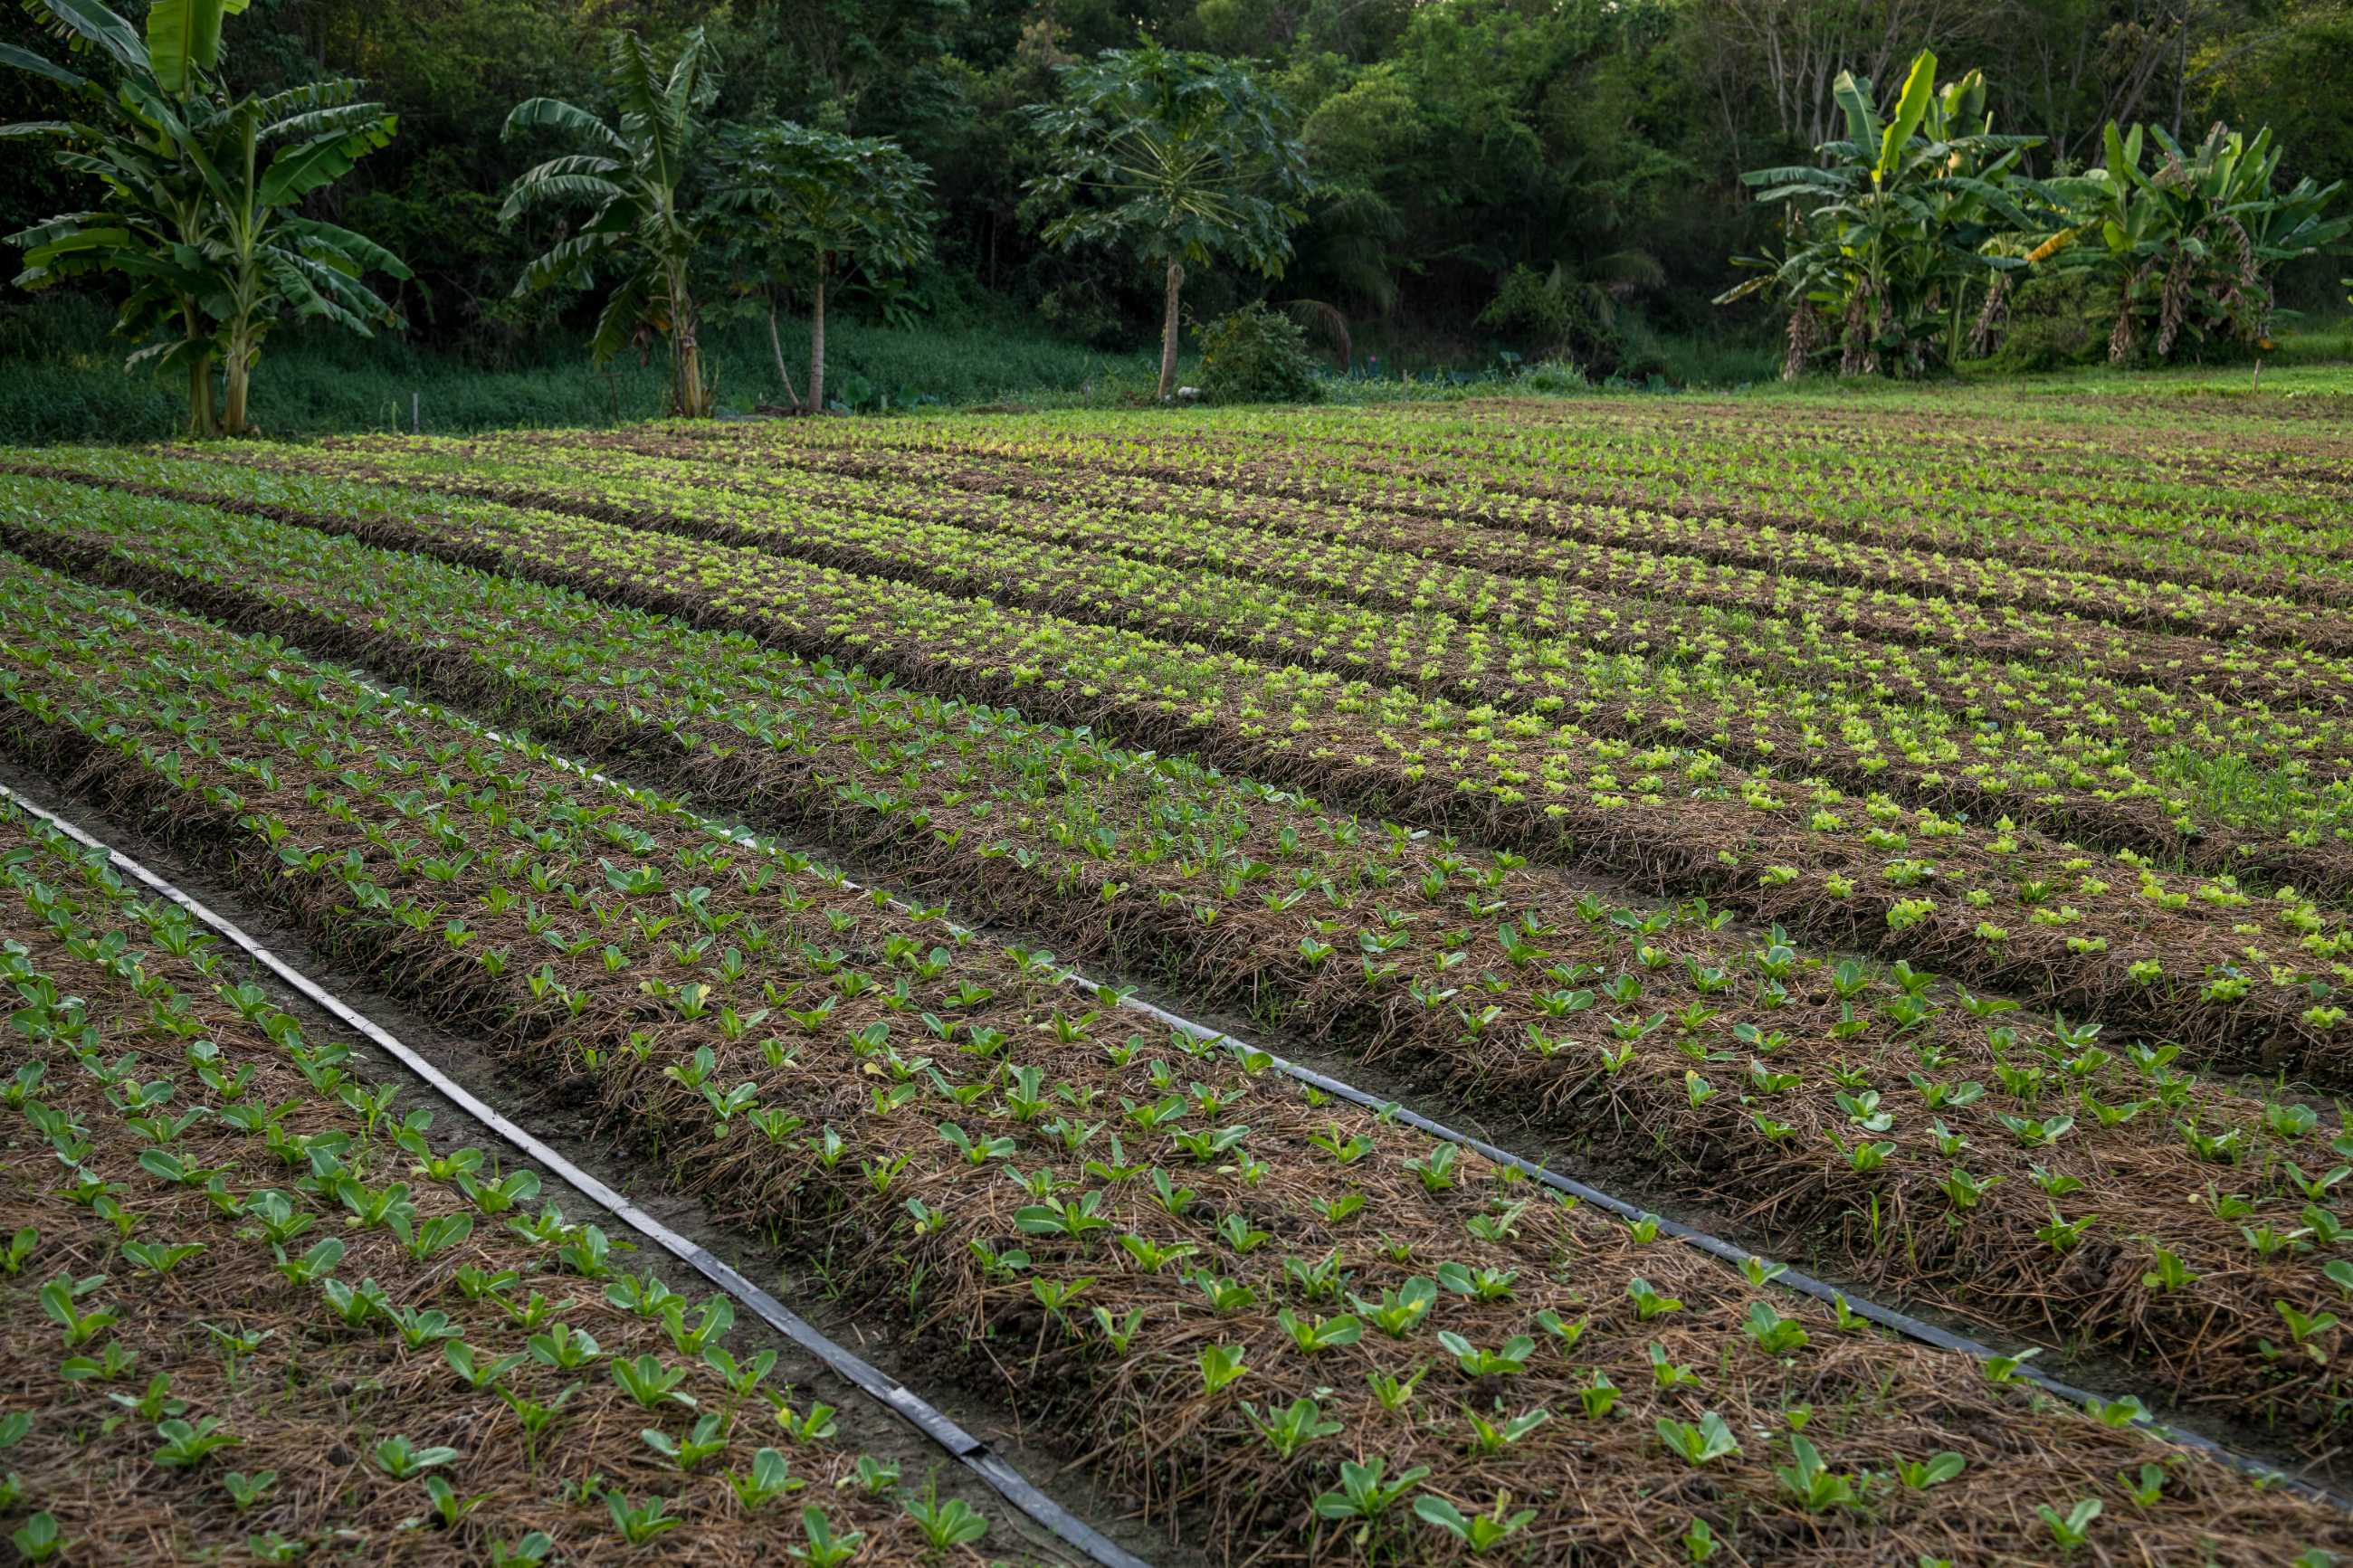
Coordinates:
(1597, 141)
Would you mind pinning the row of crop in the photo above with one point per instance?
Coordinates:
(2205, 962)
(1746, 620)
(1636, 549)
(1927, 759)
(1211, 1280)
(255, 1302)
(2134, 513)
(1789, 548)
(1997, 1146)
(2259, 539)
(2187, 492)
(1786, 703)
(2239, 470)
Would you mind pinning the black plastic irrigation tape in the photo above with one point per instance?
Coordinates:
(966, 1450)
(1888, 1318)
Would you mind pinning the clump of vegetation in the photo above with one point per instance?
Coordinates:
(1258, 355)
(1559, 318)
(2186, 251)
(1904, 248)
(2050, 322)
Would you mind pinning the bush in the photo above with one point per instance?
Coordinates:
(2053, 320)
(1258, 355)
(1557, 316)
(1552, 375)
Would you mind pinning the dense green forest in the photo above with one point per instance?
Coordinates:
(1484, 176)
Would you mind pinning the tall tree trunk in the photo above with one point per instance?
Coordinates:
(816, 340)
(200, 399)
(1168, 332)
(686, 391)
(691, 400)
(200, 381)
(238, 379)
(777, 347)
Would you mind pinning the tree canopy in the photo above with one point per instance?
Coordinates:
(1180, 159)
(1595, 146)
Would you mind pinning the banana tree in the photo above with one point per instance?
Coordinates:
(259, 157)
(631, 178)
(1900, 231)
(2186, 248)
(157, 216)
(194, 215)
(813, 204)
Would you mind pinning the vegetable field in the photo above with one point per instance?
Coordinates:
(1906, 840)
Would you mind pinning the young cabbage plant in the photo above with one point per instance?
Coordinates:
(1482, 1532)
(1364, 1494)
(769, 1479)
(2072, 1530)
(826, 1548)
(1289, 1429)
(945, 1525)
(1696, 1443)
(641, 1522)
(706, 1442)
(1811, 1482)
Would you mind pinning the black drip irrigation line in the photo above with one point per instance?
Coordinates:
(975, 1455)
(1917, 1329)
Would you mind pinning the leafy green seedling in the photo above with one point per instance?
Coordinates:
(400, 1458)
(1710, 1438)
(825, 1547)
(769, 1479)
(706, 1442)
(2072, 1530)
(1289, 1429)
(1478, 1531)
(1363, 1493)
(641, 1522)
(945, 1525)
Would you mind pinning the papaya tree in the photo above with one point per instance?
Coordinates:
(632, 177)
(202, 197)
(1180, 158)
(812, 205)
(1896, 241)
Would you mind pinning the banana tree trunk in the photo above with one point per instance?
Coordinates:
(1168, 332)
(817, 339)
(239, 366)
(693, 402)
(200, 399)
(201, 425)
(689, 399)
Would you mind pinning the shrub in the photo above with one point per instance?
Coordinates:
(1552, 375)
(1258, 355)
(1558, 317)
(2053, 322)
